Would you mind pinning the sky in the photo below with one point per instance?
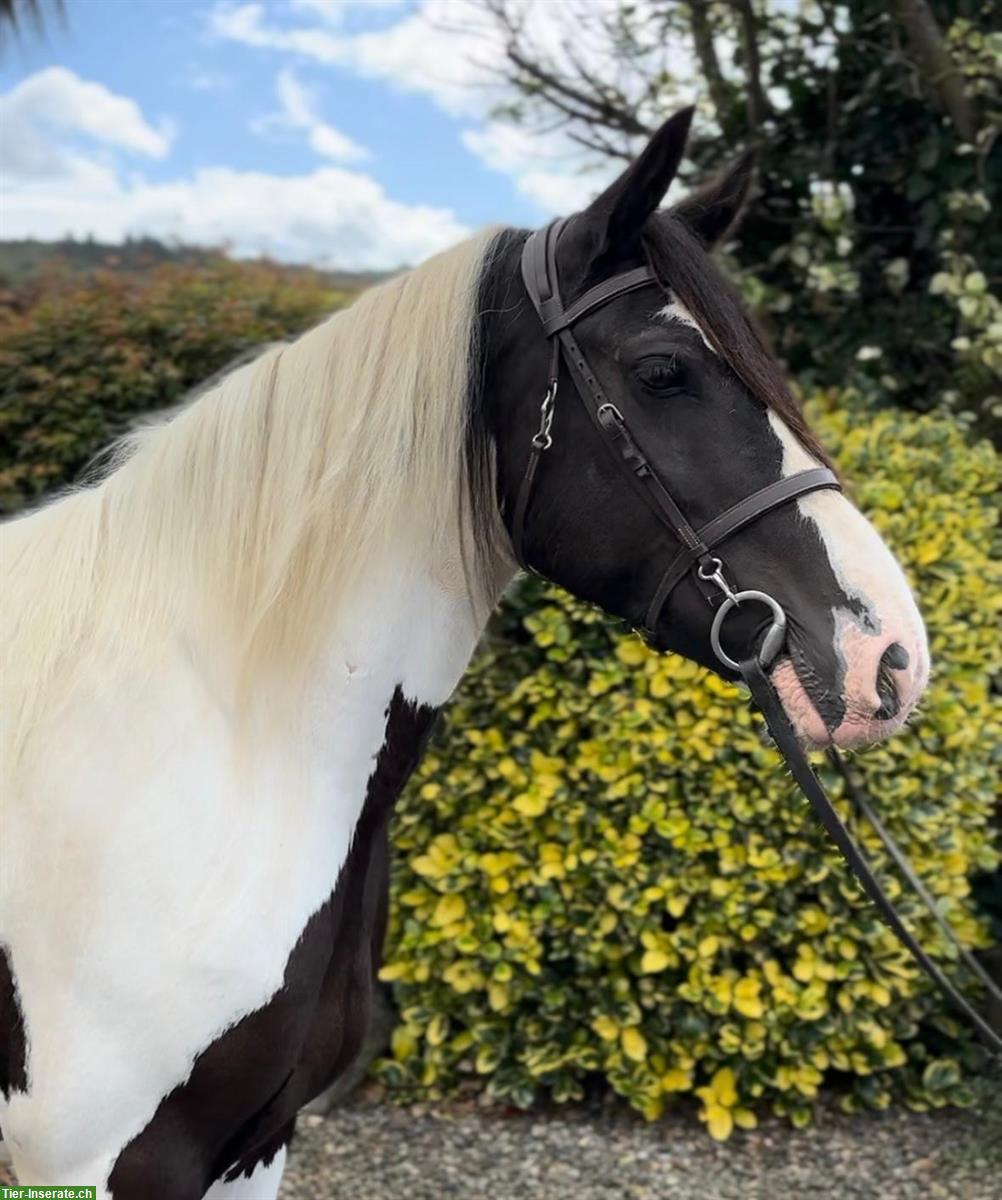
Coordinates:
(354, 134)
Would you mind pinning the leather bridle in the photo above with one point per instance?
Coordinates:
(539, 273)
(694, 554)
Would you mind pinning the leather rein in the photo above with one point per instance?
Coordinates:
(695, 556)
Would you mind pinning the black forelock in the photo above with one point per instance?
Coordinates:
(684, 267)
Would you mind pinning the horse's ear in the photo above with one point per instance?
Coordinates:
(713, 209)
(618, 214)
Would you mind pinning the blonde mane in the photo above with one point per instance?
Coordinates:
(254, 509)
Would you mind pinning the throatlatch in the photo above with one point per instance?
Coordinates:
(539, 273)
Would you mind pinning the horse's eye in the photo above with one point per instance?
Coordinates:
(660, 373)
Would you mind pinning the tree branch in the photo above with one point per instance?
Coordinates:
(596, 107)
(15, 14)
(936, 66)
(601, 116)
(594, 142)
(706, 52)
(759, 108)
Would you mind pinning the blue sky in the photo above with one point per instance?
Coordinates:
(354, 133)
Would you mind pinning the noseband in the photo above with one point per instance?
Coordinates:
(694, 554)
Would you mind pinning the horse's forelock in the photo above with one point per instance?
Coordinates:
(684, 267)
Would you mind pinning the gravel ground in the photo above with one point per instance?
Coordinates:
(370, 1151)
(373, 1151)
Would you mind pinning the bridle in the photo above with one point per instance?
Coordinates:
(539, 273)
(695, 555)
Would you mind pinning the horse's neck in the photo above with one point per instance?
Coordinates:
(407, 626)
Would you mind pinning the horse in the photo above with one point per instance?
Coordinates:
(223, 658)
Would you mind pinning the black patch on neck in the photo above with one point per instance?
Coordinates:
(13, 1046)
(499, 299)
(238, 1106)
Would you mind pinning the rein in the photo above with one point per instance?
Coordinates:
(539, 273)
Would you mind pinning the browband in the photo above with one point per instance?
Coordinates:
(595, 297)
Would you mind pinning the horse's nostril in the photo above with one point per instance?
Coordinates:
(894, 658)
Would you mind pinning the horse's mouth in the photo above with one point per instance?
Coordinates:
(823, 715)
(822, 686)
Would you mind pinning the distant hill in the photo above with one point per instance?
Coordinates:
(24, 260)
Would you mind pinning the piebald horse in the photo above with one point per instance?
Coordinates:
(221, 663)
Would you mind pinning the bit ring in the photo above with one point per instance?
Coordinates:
(773, 641)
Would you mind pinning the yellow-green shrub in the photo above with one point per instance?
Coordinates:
(603, 872)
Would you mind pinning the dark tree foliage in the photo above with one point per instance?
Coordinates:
(873, 245)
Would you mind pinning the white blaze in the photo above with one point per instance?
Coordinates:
(869, 573)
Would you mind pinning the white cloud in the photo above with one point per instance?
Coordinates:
(201, 80)
(245, 23)
(330, 216)
(297, 112)
(442, 49)
(337, 11)
(450, 52)
(541, 167)
(45, 117)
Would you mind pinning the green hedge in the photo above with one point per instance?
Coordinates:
(80, 359)
(603, 873)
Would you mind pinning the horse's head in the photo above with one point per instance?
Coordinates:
(708, 407)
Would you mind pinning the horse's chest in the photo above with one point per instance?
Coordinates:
(280, 1056)
(215, 968)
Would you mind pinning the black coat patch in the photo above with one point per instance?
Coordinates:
(238, 1105)
(13, 1049)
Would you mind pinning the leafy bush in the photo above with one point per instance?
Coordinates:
(876, 127)
(83, 358)
(603, 872)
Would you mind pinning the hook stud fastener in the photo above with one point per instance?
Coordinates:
(542, 439)
(713, 572)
